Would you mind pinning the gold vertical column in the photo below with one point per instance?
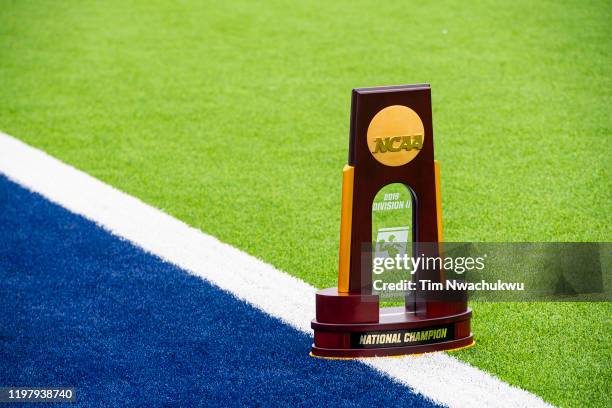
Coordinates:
(439, 215)
(346, 220)
(438, 200)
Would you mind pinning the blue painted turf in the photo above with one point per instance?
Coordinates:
(80, 307)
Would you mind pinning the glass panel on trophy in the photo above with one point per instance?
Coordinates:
(392, 212)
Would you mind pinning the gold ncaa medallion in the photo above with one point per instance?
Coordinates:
(395, 135)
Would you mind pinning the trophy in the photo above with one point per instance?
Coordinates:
(391, 144)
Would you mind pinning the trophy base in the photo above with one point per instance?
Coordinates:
(341, 354)
(353, 326)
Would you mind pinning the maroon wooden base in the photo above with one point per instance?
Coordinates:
(354, 326)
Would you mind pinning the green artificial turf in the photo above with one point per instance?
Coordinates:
(233, 116)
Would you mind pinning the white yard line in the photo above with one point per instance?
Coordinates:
(437, 376)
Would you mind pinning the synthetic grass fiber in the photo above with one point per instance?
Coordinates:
(233, 117)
